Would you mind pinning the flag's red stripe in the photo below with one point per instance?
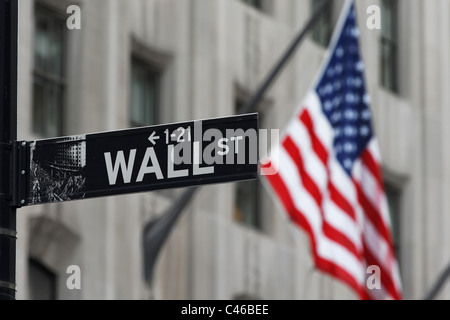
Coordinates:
(339, 273)
(308, 182)
(310, 186)
(317, 145)
(340, 201)
(372, 165)
(297, 217)
(321, 152)
(283, 193)
(385, 277)
(373, 215)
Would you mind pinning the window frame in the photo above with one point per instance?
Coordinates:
(158, 74)
(256, 216)
(395, 217)
(38, 74)
(254, 219)
(324, 21)
(389, 64)
(43, 270)
(262, 6)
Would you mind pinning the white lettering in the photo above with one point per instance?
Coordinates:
(223, 145)
(193, 310)
(171, 172)
(197, 161)
(154, 168)
(236, 143)
(127, 169)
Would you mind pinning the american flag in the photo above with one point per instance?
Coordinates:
(328, 176)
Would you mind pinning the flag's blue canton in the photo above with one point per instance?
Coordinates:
(343, 96)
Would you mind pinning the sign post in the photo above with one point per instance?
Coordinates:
(8, 134)
(136, 160)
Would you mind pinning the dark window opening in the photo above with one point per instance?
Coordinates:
(389, 45)
(42, 282)
(247, 193)
(393, 196)
(247, 210)
(145, 86)
(322, 30)
(257, 4)
(49, 73)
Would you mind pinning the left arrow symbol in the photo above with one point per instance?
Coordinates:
(152, 138)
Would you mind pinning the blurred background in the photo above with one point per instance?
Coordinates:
(143, 62)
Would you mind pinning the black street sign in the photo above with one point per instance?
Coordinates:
(137, 160)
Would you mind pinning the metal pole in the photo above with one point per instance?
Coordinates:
(438, 285)
(8, 134)
(157, 231)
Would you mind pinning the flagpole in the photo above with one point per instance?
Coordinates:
(433, 292)
(157, 231)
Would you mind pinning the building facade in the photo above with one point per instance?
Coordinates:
(143, 62)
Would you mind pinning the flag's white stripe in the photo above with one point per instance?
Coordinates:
(345, 186)
(369, 186)
(378, 245)
(380, 294)
(326, 248)
(342, 181)
(342, 222)
(396, 275)
(322, 126)
(373, 192)
(374, 149)
(371, 189)
(384, 211)
(313, 165)
(381, 250)
(340, 256)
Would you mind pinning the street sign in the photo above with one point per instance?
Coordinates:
(137, 160)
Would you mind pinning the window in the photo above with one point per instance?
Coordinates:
(246, 207)
(246, 296)
(42, 282)
(49, 73)
(247, 193)
(145, 82)
(393, 197)
(258, 4)
(322, 30)
(388, 45)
